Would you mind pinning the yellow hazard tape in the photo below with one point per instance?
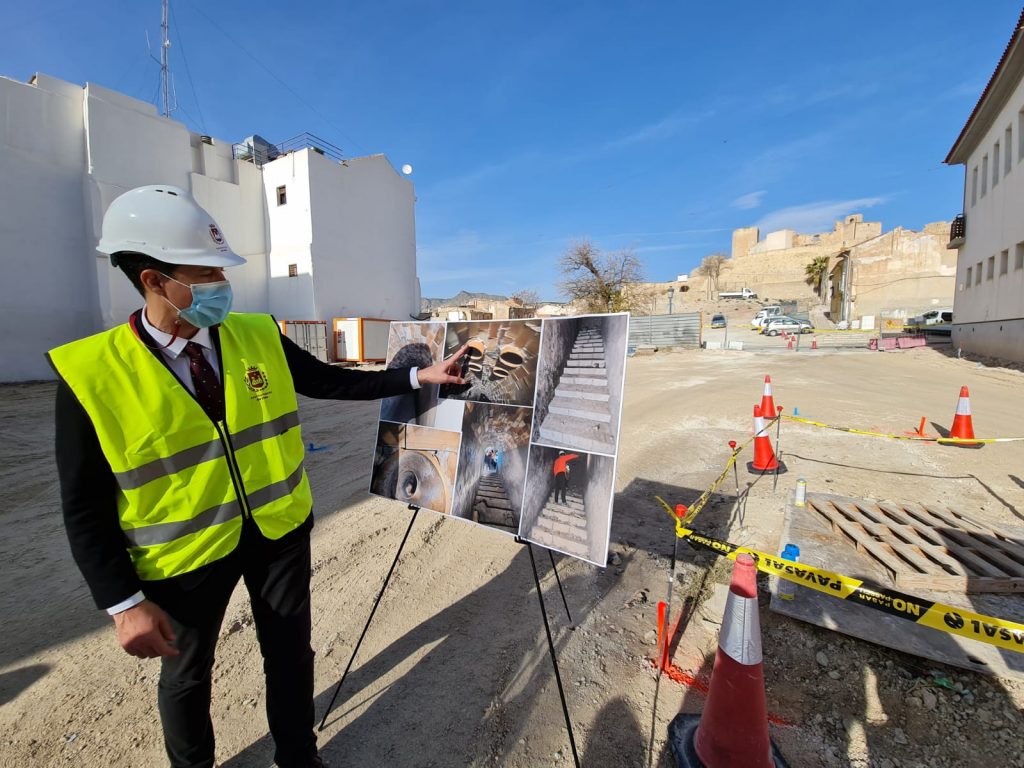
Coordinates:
(911, 438)
(945, 618)
(694, 509)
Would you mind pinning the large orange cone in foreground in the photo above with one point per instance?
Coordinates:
(733, 730)
(963, 428)
(767, 401)
(764, 456)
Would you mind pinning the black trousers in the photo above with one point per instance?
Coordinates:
(276, 574)
(561, 483)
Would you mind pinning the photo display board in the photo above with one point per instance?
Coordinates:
(528, 444)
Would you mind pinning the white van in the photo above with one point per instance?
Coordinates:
(764, 314)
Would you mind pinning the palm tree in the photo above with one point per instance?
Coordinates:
(814, 273)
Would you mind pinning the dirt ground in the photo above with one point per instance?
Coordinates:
(455, 669)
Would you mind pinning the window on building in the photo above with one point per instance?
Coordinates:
(984, 175)
(977, 273)
(970, 271)
(1004, 262)
(995, 165)
(1008, 143)
(1018, 257)
(974, 186)
(293, 270)
(282, 195)
(991, 273)
(1020, 136)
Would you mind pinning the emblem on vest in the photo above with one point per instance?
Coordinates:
(256, 382)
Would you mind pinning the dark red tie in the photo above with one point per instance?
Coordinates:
(209, 392)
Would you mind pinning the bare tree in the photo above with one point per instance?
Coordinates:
(526, 297)
(599, 281)
(711, 268)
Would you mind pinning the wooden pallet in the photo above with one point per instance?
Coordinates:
(927, 547)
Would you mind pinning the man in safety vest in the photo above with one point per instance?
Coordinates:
(180, 457)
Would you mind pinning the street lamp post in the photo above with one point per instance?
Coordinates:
(671, 293)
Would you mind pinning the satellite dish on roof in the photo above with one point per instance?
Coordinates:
(407, 169)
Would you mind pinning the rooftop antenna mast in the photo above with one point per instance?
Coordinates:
(165, 70)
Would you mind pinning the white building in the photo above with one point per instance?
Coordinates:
(323, 238)
(988, 310)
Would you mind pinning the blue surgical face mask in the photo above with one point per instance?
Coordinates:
(211, 303)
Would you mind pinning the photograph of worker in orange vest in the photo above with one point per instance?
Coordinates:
(567, 506)
(560, 469)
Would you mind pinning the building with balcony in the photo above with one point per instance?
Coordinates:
(988, 310)
(324, 236)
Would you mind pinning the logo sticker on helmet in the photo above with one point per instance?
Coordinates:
(218, 238)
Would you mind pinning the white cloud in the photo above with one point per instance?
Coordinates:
(749, 200)
(662, 129)
(814, 217)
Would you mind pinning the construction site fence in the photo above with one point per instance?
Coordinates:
(677, 330)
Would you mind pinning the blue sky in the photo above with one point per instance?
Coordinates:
(655, 126)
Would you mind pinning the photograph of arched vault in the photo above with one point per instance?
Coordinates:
(568, 502)
(500, 365)
(422, 345)
(492, 465)
(415, 465)
(579, 382)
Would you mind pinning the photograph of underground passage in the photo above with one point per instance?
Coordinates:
(415, 465)
(501, 363)
(419, 344)
(579, 382)
(492, 465)
(568, 502)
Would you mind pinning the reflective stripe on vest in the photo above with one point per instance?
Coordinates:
(184, 481)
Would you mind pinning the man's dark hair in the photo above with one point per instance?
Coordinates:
(133, 264)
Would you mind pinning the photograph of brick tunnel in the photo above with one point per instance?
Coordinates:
(492, 465)
(415, 465)
(500, 365)
(567, 506)
(422, 345)
(579, 382)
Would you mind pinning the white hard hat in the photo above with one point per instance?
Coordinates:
(165, 223)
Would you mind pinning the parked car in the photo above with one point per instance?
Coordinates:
(764, 315)
(718, 321)
(777, 325)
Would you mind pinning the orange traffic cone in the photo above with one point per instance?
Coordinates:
(767, 401)
(814, 343)
(962, 426)
(764, 456)
(733, 730)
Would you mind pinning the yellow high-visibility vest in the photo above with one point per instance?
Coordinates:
(184, 481)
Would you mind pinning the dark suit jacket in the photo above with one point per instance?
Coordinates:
(87, 482)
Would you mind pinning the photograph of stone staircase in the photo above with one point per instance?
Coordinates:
(491, 505)
(563, 526)
(579, 415)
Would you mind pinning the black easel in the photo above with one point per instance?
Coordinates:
(543, 612)
(415, 512)
(551, 648)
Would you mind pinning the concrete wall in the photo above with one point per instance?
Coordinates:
(556, 343)
(49, 296)
(66, 152)
(364, 242)
(903, 273)
(290, 235)
(995, 226)
(597, 502)
(615, 330)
